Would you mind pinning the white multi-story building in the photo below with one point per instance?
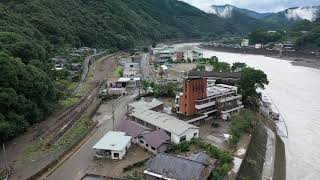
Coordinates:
(193, 55)
(131, 69)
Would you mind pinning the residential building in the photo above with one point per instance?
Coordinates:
(179, 56)
(193, 55)
(132, 129)
(128, 82)
(113, 145)
(170, 167)
(177, 129)
(288, 46)
(131, 69)
(156, 141)
(245, 43)
(258, 46)
(75, 66)
(202, 96)
(164, 54)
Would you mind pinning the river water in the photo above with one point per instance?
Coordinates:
(295, 90)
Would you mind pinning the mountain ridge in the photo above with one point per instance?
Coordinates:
(310, 13)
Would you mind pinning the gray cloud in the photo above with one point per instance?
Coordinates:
(256, 5)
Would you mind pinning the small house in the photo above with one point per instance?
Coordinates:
(156, 141)
(132, 129)
(113, 145)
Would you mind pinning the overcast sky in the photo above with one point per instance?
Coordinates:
(256, 5)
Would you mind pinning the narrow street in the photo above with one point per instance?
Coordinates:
(146, 68)
(76, 165)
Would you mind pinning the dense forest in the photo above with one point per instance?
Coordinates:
(304, 34)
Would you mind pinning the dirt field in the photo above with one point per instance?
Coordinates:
(104, 166)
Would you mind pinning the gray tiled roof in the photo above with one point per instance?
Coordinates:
(156, 138)
(131, 128)
(176, 167)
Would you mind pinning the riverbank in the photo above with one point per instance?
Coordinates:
(296, 58)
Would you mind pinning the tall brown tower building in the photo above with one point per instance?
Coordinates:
(194, 88)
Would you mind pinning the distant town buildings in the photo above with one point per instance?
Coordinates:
(193, 55)
(166, 53)
(201, 96)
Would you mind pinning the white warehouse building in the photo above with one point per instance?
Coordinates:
(177, 129)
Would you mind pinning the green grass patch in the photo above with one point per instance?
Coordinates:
(118, 72)
(73, 135)
(70, 101)
(90, 74)
(242, 123)
(69, 85)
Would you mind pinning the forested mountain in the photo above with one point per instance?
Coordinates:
(228, 10)
(311, 39)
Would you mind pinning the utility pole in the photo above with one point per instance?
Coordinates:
(7, 167)
(113, 115)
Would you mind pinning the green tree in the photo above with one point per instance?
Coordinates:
(251, 80)
(238, 66)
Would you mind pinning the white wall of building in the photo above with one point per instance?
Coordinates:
(189, 134)
(121, 153)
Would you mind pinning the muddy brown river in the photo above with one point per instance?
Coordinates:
(295, 90)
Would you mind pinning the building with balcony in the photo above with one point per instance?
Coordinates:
(204, 98)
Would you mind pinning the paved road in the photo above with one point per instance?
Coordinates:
(146, 69)
(75, 167)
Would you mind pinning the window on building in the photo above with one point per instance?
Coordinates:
(183, 138)
(141, 141)
(116, 155)
(195, 134)
(153, 148)
(185, 105)
(147, 145)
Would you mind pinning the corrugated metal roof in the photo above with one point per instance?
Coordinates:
(145, 104)
(113, 140)
(164, 121)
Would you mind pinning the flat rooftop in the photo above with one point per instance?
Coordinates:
(142, 104)
(113, 140)
(163, 121)
(220, 89)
